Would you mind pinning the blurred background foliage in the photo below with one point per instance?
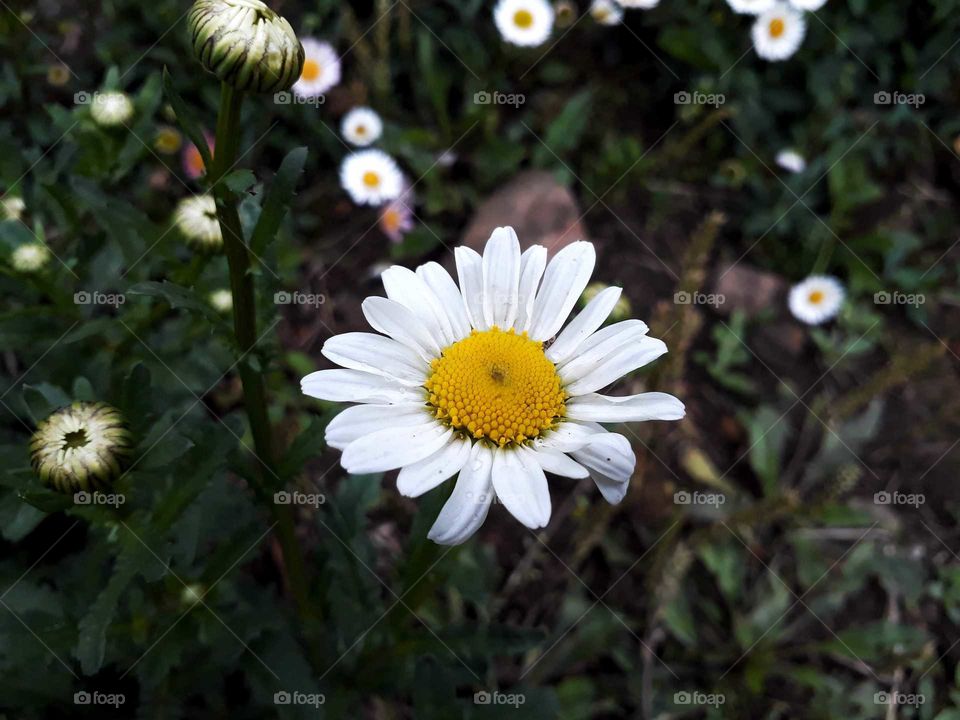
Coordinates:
(799, 596)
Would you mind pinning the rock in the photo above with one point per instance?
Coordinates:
(542, 212)
(748, 289)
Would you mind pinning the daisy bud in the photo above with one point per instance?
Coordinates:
(110, 109)
(196, 219)
(30, 257)
(245, 44)
(82, 447)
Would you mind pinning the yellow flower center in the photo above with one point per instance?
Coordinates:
(816, 297)
(371, 179)
(523, 19)
(311, 70)
(497, 385)
(391, 219)
(777, 27)
(361, 130)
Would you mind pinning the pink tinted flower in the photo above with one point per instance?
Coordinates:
(396, 217)
(192, 160)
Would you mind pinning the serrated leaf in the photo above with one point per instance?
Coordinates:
(278, 199)
(178, 297)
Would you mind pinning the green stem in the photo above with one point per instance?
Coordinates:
(245, 329)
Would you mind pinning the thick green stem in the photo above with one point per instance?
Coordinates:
(245, 329)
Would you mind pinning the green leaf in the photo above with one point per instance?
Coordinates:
(177, 297)
(278, 199)
(240, 180)
(186, 119)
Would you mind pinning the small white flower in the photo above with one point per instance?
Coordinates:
(808, 5)
(196, 218)
(606, 12)
(642, 4)
(109, 109)
(30, 257)
(791, 161)
(321, 69)
(778, 32)
(12, 207)
(527, 23)
(371, 177)
(751, 7)
(221, 300)
(816, 299)
(361, 126)
(461, 382)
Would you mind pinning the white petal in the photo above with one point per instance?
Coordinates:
(395, 447)
(391, 318)
(446, 291)
(584, 324)
(359, 420)
(521, 486)
(356, 386)
(566, 437)
(554, 461)
(563, 283)
(631, 408)
(532, 263)
(611, 462)
(409, 289)
(467, 507)
(602, 343)
(470, 273)
(378, 355)
(422, 476)
(501, 275)
(615, 366)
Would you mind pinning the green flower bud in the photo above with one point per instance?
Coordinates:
(245, 44)
(82, 447)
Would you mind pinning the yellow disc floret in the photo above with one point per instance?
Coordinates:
(498, 385)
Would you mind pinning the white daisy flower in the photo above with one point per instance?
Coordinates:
(30, 257)
(371, 177)
(642, 4)
(808, 5)
(109, 109)
(751, 7)
(321, 69)
(527, 23)
(816, 299)
(792, 161)
(606, 12)
(196, 218)
(12, 207)
(361, 126)
(480, 380)
(778, 32)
